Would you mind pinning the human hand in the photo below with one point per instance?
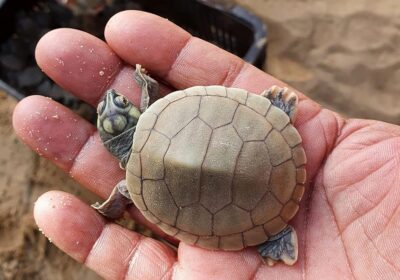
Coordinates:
(348, 224)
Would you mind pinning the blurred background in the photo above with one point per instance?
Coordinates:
(344, 54)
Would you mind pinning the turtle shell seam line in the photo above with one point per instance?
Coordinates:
(268, 189)
(226, 91)
(166, 185)
(234, 113)
(233, 116)
(207, 94)
(234, 171)
(141, 178)
(268, 133)
(242, 238)
(291, 199)
(202, 165)
(162, 110)
(150, 112)
(280, 130)
(141, 185)
(212, 235)
(163, 134)
(159, 221)
(177, 207)
(288, 142)
(227, 124)
(269, 152)
(144, 144)
(222, 125)
(265, 194)
(247, 97)
(178, 230)
(269, 108)
(305, 175)
(152, 180)
(201, 180)
(245, 105)
(279, 201)
(240, 207)
(173, 199)
(197, 240)
(196, 116)
(174, 92)
(283, 219)
(298, 144)
(301, 166)
(305, 158)
(283, 162)
(205, 123)
(173, 136)
(269, 179)
(237, 133)
(267, 221)
(199, 106)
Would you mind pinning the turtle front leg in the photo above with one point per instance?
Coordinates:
(115, 205)
(284, 99)
(280, 247)
(149, 86)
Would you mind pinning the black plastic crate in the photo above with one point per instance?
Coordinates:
(24, 22)
(229, 26)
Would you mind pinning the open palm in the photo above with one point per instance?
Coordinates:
(349, 220)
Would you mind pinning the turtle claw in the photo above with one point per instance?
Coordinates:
(284, 99)
(281, 247)
(115, 205)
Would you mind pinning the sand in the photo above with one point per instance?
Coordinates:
(24, 252)
(344, 54)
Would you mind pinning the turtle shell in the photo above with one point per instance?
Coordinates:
(216, 167)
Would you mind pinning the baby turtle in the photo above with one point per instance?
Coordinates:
(216, 167)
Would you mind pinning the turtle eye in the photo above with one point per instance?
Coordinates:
(100, 107)
(121, 101)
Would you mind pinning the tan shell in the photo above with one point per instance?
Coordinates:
(217, 167)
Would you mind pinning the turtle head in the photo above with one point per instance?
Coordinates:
(116, 122)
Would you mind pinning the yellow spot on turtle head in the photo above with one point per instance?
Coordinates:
(114, 124)
(107, 125)
(134, 112)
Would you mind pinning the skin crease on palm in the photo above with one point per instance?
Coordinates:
(349, 219)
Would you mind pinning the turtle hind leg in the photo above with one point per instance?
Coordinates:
(280, 247)
(284, 99)
(115, 205)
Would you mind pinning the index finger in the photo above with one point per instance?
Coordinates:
(179, 58)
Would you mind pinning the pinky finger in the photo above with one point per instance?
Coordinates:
(110, 250)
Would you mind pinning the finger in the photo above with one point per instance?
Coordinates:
(173, 54)
(197, 263)
(73, 144)
(110, 250)
(85, 66)
(184, 61)
(69, 141)
(78, 62)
